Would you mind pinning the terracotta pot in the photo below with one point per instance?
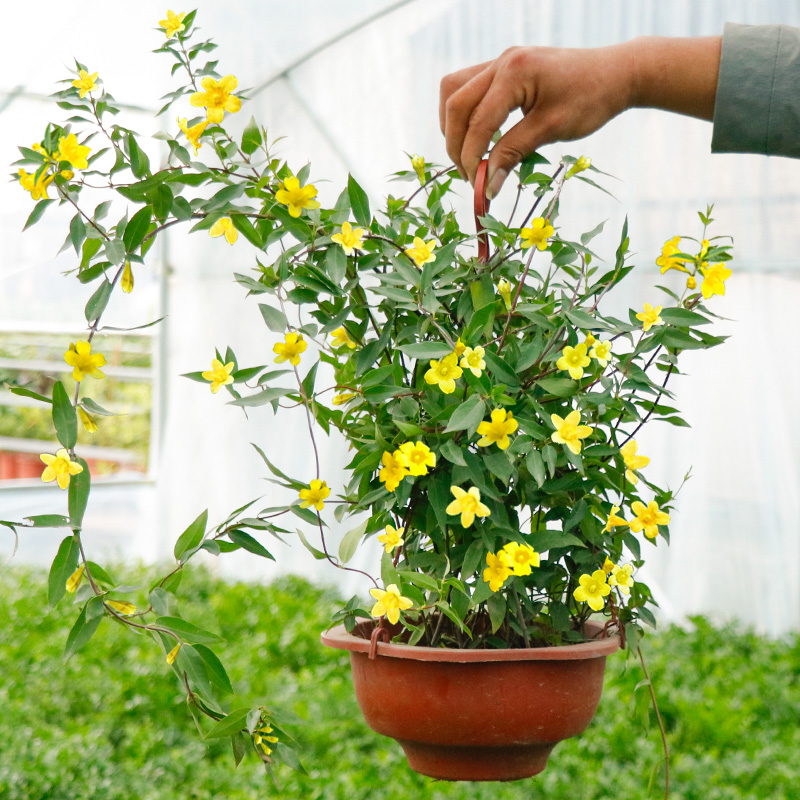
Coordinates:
(476, 715)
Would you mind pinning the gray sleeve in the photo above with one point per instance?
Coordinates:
(757, 109)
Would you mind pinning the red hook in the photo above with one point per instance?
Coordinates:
(481, 208)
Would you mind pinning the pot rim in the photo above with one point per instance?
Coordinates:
(340, 639)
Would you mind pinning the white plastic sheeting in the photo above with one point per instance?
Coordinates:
(359, 105)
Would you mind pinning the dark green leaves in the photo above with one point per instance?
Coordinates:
(191, 538)
(65, 419)
(64, 564)
(251, 138)
(468, 415)
(136, 229)
(359, 202)
(98, 301)
(84, 627)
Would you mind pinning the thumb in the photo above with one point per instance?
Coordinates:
(524, 138)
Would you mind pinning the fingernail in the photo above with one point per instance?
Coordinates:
(496, 181)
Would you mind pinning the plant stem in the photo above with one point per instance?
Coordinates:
(660, 723)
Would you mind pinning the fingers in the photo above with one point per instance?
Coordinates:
(452, 83)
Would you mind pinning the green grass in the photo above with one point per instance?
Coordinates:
(111, 724)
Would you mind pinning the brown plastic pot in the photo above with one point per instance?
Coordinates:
(476, 715)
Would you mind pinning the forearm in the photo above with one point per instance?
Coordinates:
(675, 74)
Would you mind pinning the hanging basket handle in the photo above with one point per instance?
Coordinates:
(481, 208)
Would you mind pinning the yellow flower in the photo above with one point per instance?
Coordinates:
(668, 258)
(649, 316)
(691, 282)
(297, 197)
(37, 148)
(390, 603)
(614, 520)
(391, 539)
(714, 278)
(418, 163)
(127, 278)
(341, 399)
(419, 457)
(521, 557)
(468, 504)
(79, 356)
(580, 165)
(217, 98)
(537, 235)
(704, 245)
(498, 429)
(349, 238)
(70, 150)
(504, 290)
(173, 654)
(444, 373)
(422, 251)
(262, 738)
(648, 518)
(608, 566)
(621, 576)
(593, 588)
(473, 360)
(172, 24)
(122, 606)
(74, 580)
(85, 83)
(219, 374)
(37, 188)
(290, 349)
(193, 133)
(632, 461)
(498, 569)
(224, 227)
(59, 468)
(573, 360)
(88, 422)
(569, 431)
(341, 338)
(67, 174)
(589, 340)
(395, 468)
(315, 494)
(602, 352)
(460, 348)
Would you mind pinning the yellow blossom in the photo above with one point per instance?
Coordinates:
(608, 566)
(217, 97)
(444, 373)
(37, 188)
(468, 504)
(390, 603)
(569, 431)
(219, 374)
(521, 557)
(122, 607)
(649, 316)
(589, 340)
(127, 278)
(59, 468)
(341, 338)
(422, 251)
(614, 520)
(648, 518)
(70, 150)
(497, 570)
(498, 429)
(193, 132)
(37, 148)
(460, 348)
(85, 83)
(297, 197)
(349, 238)
(290, 349)
(504, 290)
(593, 588)
(173, 23)
(395, 468)
(315, 494)
(341, 399)
(621, 577)
(173, 654)
(583, 163)
(668, 258)
(74, 580)
(473, 360)
(391, 539)
(573, 360)
(418, 163)
(704, 245)
(419, 457)
(691, 282)
(224, 227)
(714, 278)
(537, 235)
(80, 358)
(263, 739)
(601, 351)
(632, 461)
(88, 422)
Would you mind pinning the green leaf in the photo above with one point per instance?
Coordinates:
(318, 554)
(350, 541)
(683, 317)
(552, 540)
(191, 538)
(188, 633)
(48, 521)
(559, 387)
(136, 229)
(247, 542)
(497, 610)
(84, 627)
(245, 227)
(216, 671)
(425, 350)
(64, 417)
(64, 564)
(468, 415)
(227, 726)
(262, 398)
(359, 202)
(501, 370)
(473, 558)
(251, 138)
(88, 252)
(535, 464)
(90, 405)
(78, 494)
(77, 232)
(452, 452)
(274, 318)
(98, 301)
(37, 212)
(23, 392)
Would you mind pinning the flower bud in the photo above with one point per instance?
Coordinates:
(127, 278)
(691, 283)
(579, 166)
(418, 162)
